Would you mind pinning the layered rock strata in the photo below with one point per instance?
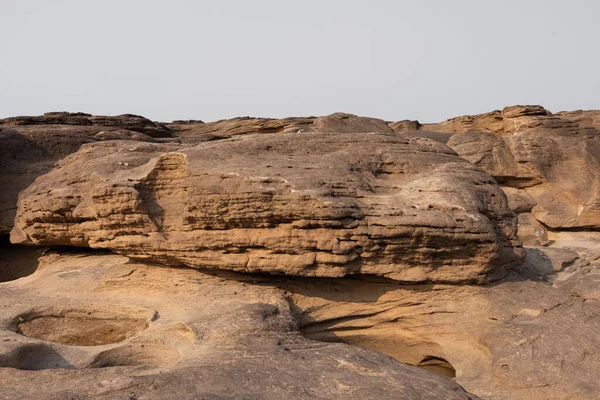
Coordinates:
(30, 147)
(307, 204)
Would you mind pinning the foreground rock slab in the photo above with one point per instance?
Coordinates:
(164, 333)
(159, 332)
(532, 335)
(306, 204)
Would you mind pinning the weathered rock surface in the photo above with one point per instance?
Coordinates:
(584, 118)
(178, 333)
(30, 146)
(336, 203)
(158, 333)
(198, 131)
(521, 338)
(307, 204)
(129, 122)
(554, 160)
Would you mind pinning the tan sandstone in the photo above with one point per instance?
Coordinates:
(307, 204)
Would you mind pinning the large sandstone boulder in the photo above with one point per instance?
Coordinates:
(307, 204)
(31, 145)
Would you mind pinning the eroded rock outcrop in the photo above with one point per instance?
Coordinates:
(529, 336)
(129, 122)
(553, 161)
(30, 146)
(157, 333)
(338, 204)
(193, 131)
(307, 204)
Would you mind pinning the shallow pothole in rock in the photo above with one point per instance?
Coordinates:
(437, 365)
(34, 357)
(17, 261)
(154, 355)
(80, 330)
(405, 348)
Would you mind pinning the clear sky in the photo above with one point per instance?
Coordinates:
(392, 59)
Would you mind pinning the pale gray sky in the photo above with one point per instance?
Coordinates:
(393, 59)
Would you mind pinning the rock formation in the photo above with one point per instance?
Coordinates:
(32, 145)
(549, 164)
(316, 244)
(153, 333)
(309, 204)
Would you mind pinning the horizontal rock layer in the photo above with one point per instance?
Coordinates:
(130, 122)
(30, 146)
(308, 204)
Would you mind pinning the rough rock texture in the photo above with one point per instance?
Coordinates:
(585, 118)
(30, 146)
(336, 208)
(308, 204)
(198, 131)
(532, 335)
(185, 333)
(129, 122)
(177, 334)
(510, 119)
(554, 161)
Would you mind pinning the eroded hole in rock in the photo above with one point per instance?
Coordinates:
(78, 330)
(403, 346)
(34, 357)
(154, 355)
(17, 261)
(438, 365)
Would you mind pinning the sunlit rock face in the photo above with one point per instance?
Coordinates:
(305, 204)
(552, 159)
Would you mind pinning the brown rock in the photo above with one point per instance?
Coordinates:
(555, 161)
(158, 333)
(348, 123)
(307, 204)
(516, 339)
(199, 131)
(531, 232)
(488, 122)
(31, 146)
(405, 126)
(518, 199)
(130, 122)
(588, 118)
